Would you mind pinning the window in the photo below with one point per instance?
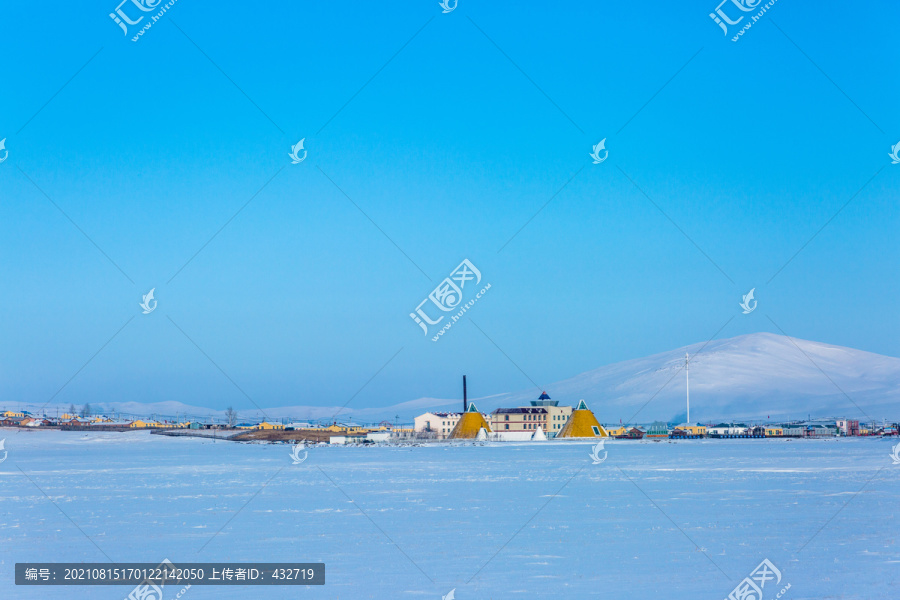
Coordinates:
(507, 425)
(507, 418)
(595, 429)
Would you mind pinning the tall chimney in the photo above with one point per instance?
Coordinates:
(465, 396)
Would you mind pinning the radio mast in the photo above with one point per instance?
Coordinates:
(687, 381)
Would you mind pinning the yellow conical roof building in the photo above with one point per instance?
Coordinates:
(582, 424)
(469, 424)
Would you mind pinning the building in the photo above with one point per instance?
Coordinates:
(543, 412)
(727, 430)
(469, 424)
(658, 429)
(582, 424)
(792, 431)
(819, 431)
(617, 431)
(298, 425)
(688, 431)
(267, 425)
(12, 413)
(774, 431)
(848, 427)
(439, 423)
(693, 430)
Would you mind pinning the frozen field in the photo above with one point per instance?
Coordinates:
(688, 519)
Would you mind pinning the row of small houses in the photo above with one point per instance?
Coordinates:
(339, 433)
(23, 419)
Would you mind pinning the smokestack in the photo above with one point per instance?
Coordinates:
(465, 396)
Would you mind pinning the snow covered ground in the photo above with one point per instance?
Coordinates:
(687, 519)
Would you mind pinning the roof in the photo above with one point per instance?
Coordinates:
(469, 425)
(543, 396)
(581, 424)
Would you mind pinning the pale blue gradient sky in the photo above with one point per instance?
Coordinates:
(450, 149)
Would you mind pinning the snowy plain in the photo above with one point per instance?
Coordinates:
(685, 519)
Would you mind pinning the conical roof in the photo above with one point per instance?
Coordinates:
(469, 424)
(582, 424)
(538, 435)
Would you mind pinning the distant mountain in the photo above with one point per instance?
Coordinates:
(745, 377)
(749, 376)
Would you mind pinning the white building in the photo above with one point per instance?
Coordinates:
(723, 429)
(438, 423)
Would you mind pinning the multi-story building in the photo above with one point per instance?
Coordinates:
(848, 426)
(543, 412)
(438, 423)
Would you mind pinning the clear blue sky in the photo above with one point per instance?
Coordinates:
(454, 144)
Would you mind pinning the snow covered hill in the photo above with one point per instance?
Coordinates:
(751, 375)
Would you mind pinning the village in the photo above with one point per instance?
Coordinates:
(544, 419)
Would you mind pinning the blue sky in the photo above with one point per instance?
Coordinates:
(449, 132)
